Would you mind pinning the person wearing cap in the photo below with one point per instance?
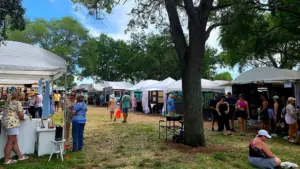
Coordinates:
(11, 122)
(112, 104)
(125, 102)
(291, 118)
(260, 156)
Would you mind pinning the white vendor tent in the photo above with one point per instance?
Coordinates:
(143, 84)
(207, 86)
(27, 62)
(266, 75)
(118, 85)
(22, 63)
(160, 86)
(84, 87)
(96, 87)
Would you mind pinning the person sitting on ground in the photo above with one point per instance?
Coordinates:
(260, 156)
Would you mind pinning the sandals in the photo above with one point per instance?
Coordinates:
(10, 162)
(23, 158)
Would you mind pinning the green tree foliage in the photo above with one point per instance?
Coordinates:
(63, 37)
(223, 76)
(267, 35)
(11, 17)
(200, 17)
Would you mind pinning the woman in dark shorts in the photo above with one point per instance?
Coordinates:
(242, 113)
(263, 114)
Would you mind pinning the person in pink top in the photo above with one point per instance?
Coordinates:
(242, 113)
(134, 103)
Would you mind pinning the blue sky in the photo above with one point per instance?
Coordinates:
(113, 24)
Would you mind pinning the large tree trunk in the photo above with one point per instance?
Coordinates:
(192, 92)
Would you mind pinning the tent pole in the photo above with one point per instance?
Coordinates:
(65, 110)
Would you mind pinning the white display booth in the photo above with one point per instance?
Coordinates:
(22, 63)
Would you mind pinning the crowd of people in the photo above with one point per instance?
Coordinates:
(14, 112)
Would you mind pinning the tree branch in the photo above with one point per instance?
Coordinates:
(176, 29)
(213, 26)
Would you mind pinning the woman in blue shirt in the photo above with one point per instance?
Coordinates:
(171, 106)
(78, 123)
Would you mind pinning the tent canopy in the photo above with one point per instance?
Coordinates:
(207, 86)
(266, 74)
(161, 85)
(27, 62)
(143, 84)
(95, 87)
(118, 85)
(84, 87)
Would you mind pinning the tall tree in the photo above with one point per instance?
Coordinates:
(269, 36)
(11, 17)
(63, 37)
(223, 76)
(189, 50)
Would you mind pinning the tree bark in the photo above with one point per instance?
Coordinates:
(191, 85)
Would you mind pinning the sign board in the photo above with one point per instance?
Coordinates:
(287, 84)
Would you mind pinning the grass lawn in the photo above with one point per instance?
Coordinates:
(136, 145)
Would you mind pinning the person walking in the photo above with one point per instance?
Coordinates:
(125, 102)
(222, 108)
(232, 114)
(242, 113)
(57, 97)
(78, 123)
(112, 106)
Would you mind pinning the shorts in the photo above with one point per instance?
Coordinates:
(124, 110)
(112, 110)
(242, 114)
(56, 103)
(13, 131)
(271, 114)
(267, 163)
(215, 116)
(232, 112)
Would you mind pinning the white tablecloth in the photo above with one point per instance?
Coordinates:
(26, 138)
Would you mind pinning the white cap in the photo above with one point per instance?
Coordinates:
(275, 97)
(263, 133)
(291, 99)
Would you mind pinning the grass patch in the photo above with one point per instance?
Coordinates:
(136, 145)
